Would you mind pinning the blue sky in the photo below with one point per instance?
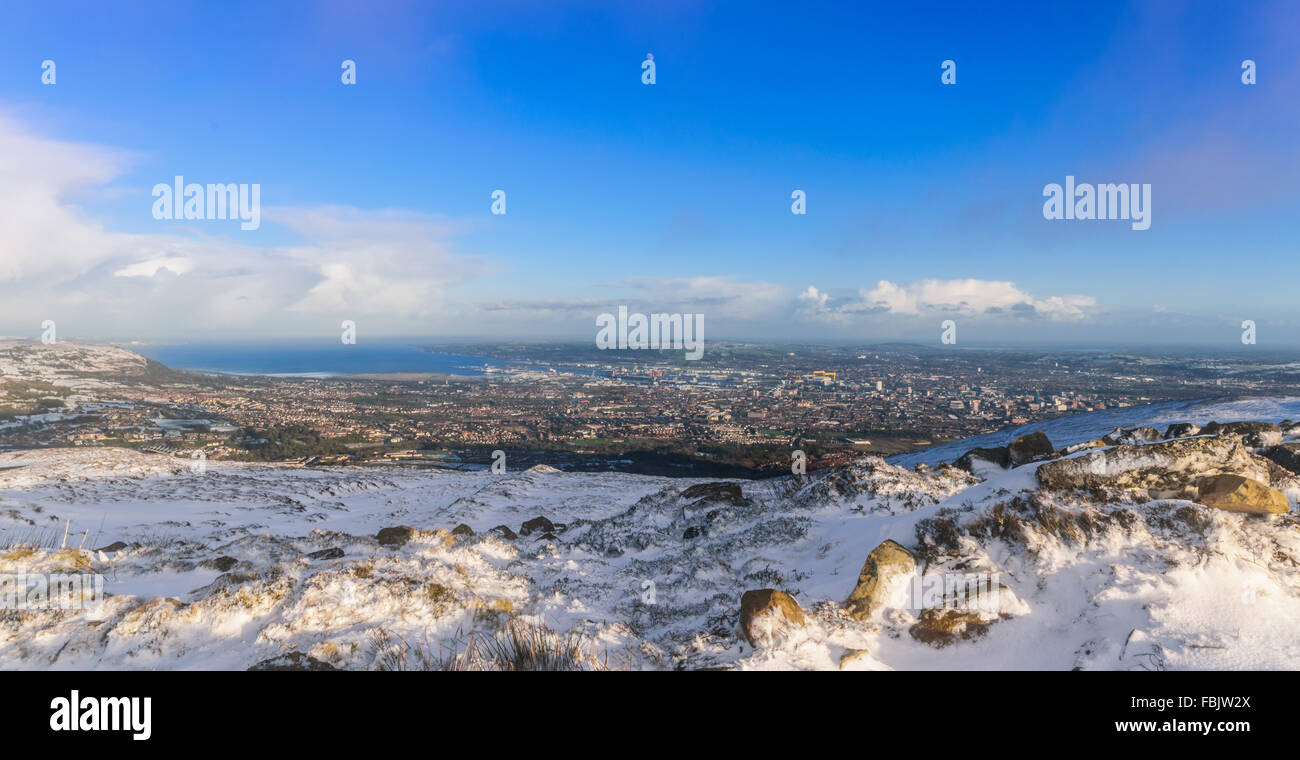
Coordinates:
(666, 197)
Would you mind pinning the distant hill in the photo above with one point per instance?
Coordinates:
(31, 360)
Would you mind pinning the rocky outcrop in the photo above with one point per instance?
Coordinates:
(331, 553)
(1029, 448)
(705, 504)
(1234, 493)
(1075, 448)
(1132, 436)
(1262, 438)
(996, 456)
(293, 661)
(886, 565)
(396, 536)
(872, 484)
(1182, 430)
(222, 564)
(767, 614)
(1286, 455)
(941, 627)
(1164, 467)
(535, 525)
(728, 493)
(505, 532)
(1025, 449)
(1253, 434)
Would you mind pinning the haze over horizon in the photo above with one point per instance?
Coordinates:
(924, 200)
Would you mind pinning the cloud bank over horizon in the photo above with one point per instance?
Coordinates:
(397, 271)
(676, 197)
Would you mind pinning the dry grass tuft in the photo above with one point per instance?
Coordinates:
(519, 646)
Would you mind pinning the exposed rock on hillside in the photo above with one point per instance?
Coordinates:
(1286, 455)
(887, 565)
(726, 493)
(1029, 448)
(1131, 436)
(872, 485)
(1182, 430)
(1075, 448)
(293, 661)
(1025, 449)
(1237, 494)
(940, 627)
(535, 525)
(997, 456)
(1253, 434)
(395, 536)
(767, 614)
(1167, 467)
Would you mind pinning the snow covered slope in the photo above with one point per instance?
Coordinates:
(66, 362)
(238, 564)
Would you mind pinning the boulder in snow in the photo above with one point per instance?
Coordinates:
(293, 661)
(1234, 493)
(1132, 436)
(886, 566)
(1075, 448)
(998, 456)
(767, 614)
(1182, 430)
(940, 627)
(395, 537)
(1029, 448)
(1286, 455)
(331, 553)
(1253, 434)
(221, 563)
(536, 524)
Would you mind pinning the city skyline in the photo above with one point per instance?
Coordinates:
(924, 201)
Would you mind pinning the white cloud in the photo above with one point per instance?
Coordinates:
(718, 297)
(58, 262)
(715, 296)
(375, 262)
(42, 233)
(969, 297)
(396, 270)
(177, 265)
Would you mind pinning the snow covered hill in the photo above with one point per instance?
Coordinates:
(236, 564)
(64, 360)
